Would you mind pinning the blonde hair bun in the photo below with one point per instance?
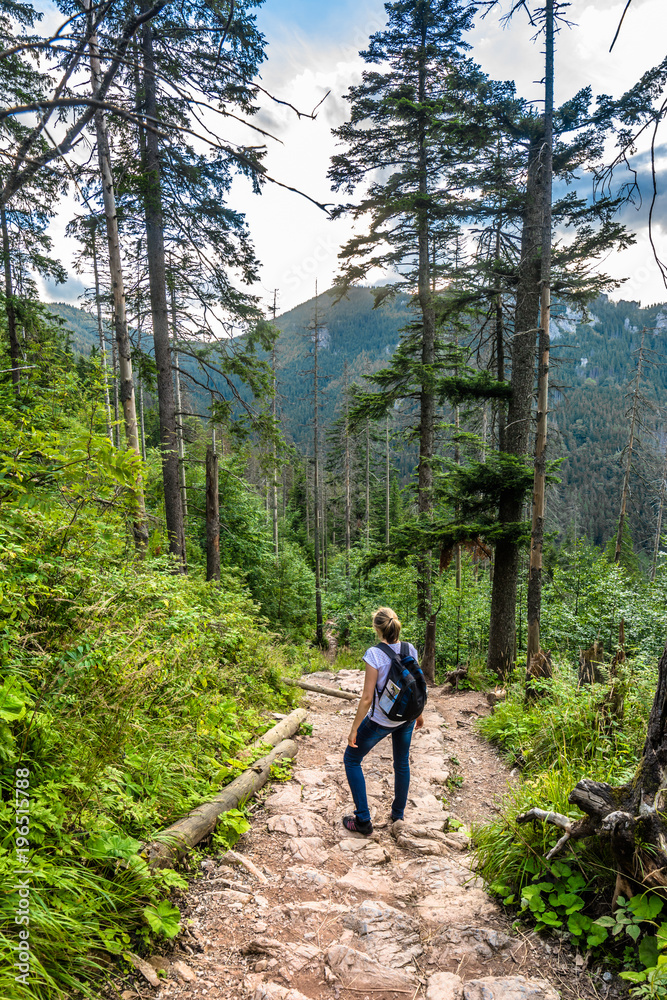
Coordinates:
(386, 622)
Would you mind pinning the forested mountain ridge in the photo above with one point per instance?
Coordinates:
(594, 358)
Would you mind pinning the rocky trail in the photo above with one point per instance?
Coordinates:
(328, 915)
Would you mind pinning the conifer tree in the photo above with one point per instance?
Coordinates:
(394, 132)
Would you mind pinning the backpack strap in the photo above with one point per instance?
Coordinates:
(405, 649)
(388, 651)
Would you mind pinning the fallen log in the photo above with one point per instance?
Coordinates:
(320, 688)
(281, 731)
(176, 840)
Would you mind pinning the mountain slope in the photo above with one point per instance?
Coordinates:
(593, 365)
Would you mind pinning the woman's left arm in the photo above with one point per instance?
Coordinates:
(370, 680)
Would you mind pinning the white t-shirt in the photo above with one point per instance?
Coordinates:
(377, 658)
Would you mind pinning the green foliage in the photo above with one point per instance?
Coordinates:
(230, 827)
(125, 689)
(558, 740)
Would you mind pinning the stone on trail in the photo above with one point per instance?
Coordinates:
(273, 991)
(416, 830)
(147, 970)
(389, 935)
(301, 874)
(309, 776)
(444, 986)
(426, 803)
(478, 944)
(509, 988)
(439, 777)
(308, 849)
(356, 970)
(360, 880)
(286, 798)
(457, 906)
(303, 825)
(421, 845)
(368, 852)
(457, 840)
(184, 971)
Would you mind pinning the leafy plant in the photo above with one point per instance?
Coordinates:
(229, 828)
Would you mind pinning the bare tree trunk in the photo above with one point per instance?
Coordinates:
(502, 624)
(10, 311)
(634, 418)
(316, 481)
(325, 529)
(534, 598)
(212, 516)
(140, 526)
(367, 486)
(274, 465)
(100, 335)
(179, 403)
(387, 484)
(158, 292)
(426, 398)
(347, 484)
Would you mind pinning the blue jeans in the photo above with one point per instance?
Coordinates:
(368, 734)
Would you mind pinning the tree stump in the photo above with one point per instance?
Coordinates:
(539, 669)
(589, 671)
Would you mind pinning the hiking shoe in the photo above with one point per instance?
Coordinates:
(352, 824)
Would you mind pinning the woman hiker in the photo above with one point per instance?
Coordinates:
(369, 727)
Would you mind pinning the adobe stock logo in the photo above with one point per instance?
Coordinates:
(325, 251)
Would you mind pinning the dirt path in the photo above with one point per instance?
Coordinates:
(333, 916)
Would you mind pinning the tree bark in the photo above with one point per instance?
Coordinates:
(502, 624)
(319, 688)
(347, 484)
(212, 517)
(426, 397)
(534, 596)
(274, 453)
(179, 406)
(140, 525)
(319, 627)
(387, 483)
(159, 312)
(100, 335)
(10, 311)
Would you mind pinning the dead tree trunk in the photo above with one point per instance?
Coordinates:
(427, 400)
(140, 525)
(346, 432)
(631, 817)
(589, 672)
(100, 335)
(212, 517)
(10, 311)
(319, 627)
(502, 624)
(152, 192)
(534, 597)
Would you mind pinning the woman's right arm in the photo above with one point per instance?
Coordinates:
(370, 680)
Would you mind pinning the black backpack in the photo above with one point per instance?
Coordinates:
(404, 694)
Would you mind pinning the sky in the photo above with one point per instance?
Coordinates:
(313, 48)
